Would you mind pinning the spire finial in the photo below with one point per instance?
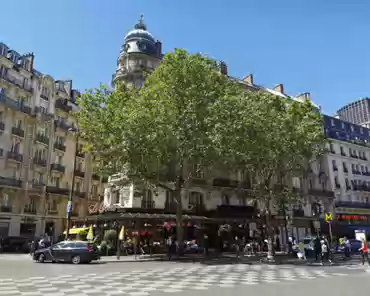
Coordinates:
(141, 25)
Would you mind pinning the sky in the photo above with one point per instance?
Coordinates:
(310, 46)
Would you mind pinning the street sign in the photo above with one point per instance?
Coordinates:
(328, 217)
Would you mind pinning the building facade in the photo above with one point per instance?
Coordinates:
(348, 165)
(38, 146)
(357, 112)
(214, 195)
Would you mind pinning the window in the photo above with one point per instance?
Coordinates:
(225, 200)
(5, 200)
(352, 128)
(361, 130)
(195, 200)
(343, 126)
(1, 116)
(52, 206)
(332, 122)
(55, 181)
(147, 201)
(60, 140)
(345, 169)
(15, 147)
(334, 165)
(242, 200)
(18, 123)
(59, 159)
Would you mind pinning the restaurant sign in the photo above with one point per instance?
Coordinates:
(99, 208)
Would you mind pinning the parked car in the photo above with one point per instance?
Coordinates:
(16, 244)
(75, 252)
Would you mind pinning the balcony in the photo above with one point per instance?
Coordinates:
(37, 184)
(335, 168)
(60, 146)
(57, 167)
(15, 156)
(44, 97)
(345, 170)
(337, 186)
(225, 183)
(63, 105)
(42, 139)
(80, 194)
(298, 213)
(43, 114)
(366, 173)
(79, 173)
(57, 190)
(332, 151)
(6, 209)
(355, 172)
(354, 155)
(80, 154)
(17, 131)
(10, 182)
(21, 83)
(147, 204)
(343, 153)
(321, 193)
(39, 161)
(96, 177)
(352, 204)
(28, 209)
(62, 124)
(15, 105)
(2, 126)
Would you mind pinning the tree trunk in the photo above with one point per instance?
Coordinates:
(179, 221)
(269, 232)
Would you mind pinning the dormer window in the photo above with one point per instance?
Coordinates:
(3, 50)
(332, 122)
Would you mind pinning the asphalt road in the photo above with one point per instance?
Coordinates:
(20, 276)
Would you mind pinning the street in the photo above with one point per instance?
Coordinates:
(20, 276)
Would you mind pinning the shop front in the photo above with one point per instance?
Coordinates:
(351, 216)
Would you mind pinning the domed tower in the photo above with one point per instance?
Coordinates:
(140, 53)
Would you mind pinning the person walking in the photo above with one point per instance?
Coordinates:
(324, 252)
(364, 251)
(347, 248)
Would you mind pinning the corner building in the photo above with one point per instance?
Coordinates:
(38, 146)
(348, 167)
(210, 198)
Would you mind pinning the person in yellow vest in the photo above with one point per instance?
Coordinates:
(301, 248)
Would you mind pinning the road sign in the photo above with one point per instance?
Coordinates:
(328, 217)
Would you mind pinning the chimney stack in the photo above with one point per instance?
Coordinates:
(279, 88)
(223, 68)
(248, 79)
(304, 96)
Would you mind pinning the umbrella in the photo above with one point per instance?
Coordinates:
(122, 234)
(90, 234)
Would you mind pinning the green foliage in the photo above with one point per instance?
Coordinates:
(149, 134)
(274, 138)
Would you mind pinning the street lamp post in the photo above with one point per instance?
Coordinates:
(70, 196)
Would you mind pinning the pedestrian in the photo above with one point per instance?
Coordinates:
(324, 252)
(364, 251)
(205, 245)
(302, 250)
(237, 247)
(317, 248)
(169, 243)
(347, 248)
